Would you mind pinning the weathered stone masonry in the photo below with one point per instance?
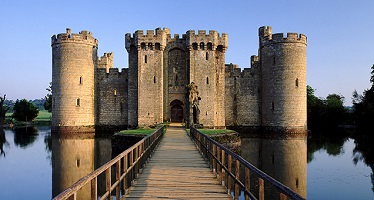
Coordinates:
(88, 92)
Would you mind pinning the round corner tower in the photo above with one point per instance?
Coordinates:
(283, 85)
(74, 58)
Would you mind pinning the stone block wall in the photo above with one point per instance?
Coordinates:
(283, 71)
(74, 58)
(112, 92)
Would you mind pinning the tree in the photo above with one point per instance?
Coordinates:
(335, 112)
(3, 110)
(48, 99)
(24, 111)
(325, 113)
(363, 105)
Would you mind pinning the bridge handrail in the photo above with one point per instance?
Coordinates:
(215, 153)
(127, 167)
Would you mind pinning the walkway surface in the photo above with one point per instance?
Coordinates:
(177, 171)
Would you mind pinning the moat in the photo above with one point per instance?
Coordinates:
(336, 167)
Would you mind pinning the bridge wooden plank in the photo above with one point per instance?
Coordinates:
(177, 171)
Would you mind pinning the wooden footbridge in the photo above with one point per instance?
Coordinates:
(177, 170)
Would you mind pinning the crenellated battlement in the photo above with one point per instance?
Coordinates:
(149, 39)
(213, 38)
(233, 71)
(267, 38)
(68, 37)
(111, 73)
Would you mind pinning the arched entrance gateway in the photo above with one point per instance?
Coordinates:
(176, 111)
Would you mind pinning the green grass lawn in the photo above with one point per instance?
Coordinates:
(43, 115)
(215, 131)
(137, 131)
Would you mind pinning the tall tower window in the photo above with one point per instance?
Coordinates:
(209, 46)
(207, 80)
(154, 79)
(202, 45)
(145, 59)
(297, 82)
(274, 60)
(150, 47)
(157, 46)
(176, 80)
(207, 56)
(194, 46)
(78, 102)
(272, 106)
(80, 80)
(142, 45)
(115, 92)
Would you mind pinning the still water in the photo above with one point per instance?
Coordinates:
(35, 165)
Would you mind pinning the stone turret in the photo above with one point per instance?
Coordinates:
(283, 81)
(74, 57)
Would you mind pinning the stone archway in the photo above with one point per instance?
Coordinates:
(176, 111)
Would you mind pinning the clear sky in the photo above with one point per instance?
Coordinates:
(340, 35)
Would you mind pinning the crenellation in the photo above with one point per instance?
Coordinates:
(201, 33)
(267, 38)
(82, 37)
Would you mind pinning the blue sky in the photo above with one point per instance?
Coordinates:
(340, 35)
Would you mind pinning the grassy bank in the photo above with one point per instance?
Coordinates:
(140, 131)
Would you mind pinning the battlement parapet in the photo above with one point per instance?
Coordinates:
(233, 71)
(68, 37)
(112, 72)
(267, 38)
(202, 37)
(151, 37)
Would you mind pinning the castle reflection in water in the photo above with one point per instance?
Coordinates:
(75, 156)
(284, 159)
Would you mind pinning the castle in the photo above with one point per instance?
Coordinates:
(178, 79)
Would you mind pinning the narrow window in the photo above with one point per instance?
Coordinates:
(297, 82)
(121, 106)
(272, 105)
(207, 56)
(115, 92)
(209, 46)
(78, 102)
(157, 46)
(207, 80)
(154, 79)
(78, 163)
(297, 183)
(142, 45)
(273, 60)
(202, 45)
(80, 80)
(176, 80)
(194, 46)
(272, 159)
(145, 59)
(220, 48)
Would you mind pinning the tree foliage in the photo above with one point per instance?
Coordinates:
(48, 99)
(325, 113)
(3, 110)
(24, 111)
(363, 105)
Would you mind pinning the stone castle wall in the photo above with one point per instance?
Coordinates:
(74, 58)
(112, 94)
(88, 91)
(283, 70)
(242, 105)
